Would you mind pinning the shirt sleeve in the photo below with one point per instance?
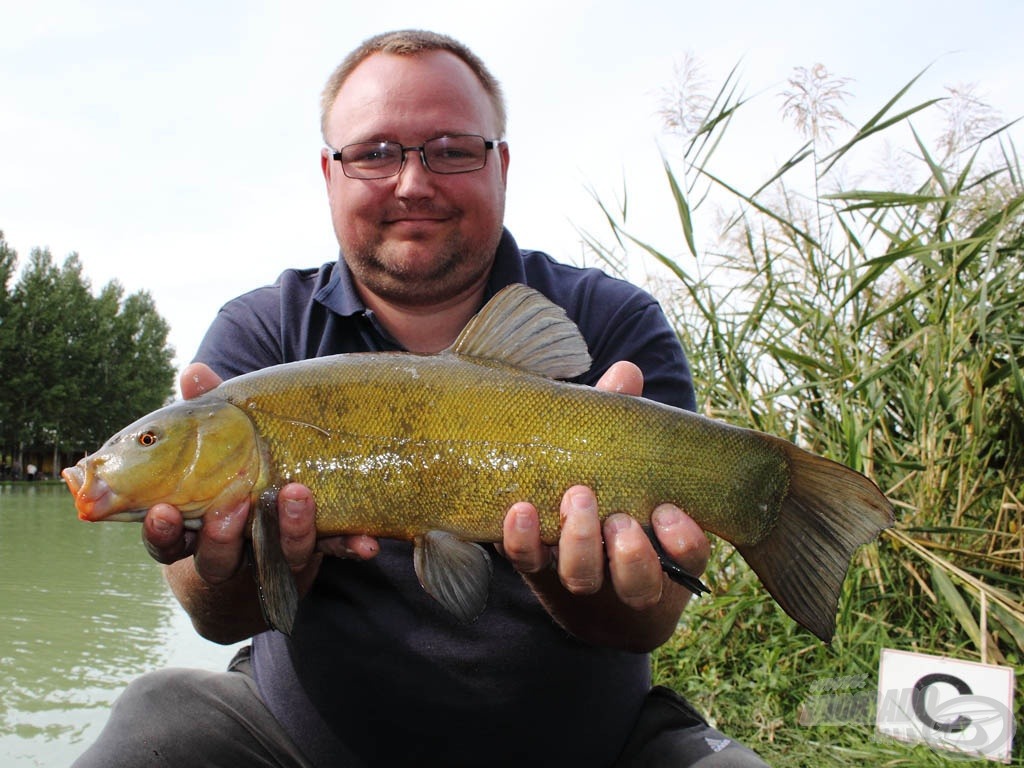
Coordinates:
(639, 332)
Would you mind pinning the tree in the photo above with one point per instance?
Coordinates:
(8, 261)
(76, 366)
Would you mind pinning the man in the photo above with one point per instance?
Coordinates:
(555, 671)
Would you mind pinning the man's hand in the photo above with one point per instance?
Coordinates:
(614, 562)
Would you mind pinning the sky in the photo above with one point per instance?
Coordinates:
(175, 146)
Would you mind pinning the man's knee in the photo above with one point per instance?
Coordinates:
(166, 698)
(670, 732)
(150, 714)
(151, 720)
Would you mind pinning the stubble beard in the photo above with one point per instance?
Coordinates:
(455, 267)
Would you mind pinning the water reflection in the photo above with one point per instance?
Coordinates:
(83, 610)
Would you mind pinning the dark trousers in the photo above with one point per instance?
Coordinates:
(187, 717)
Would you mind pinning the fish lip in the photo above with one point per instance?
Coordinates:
(93, 497)
(74, 477)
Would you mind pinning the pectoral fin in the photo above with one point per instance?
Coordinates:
(279, 597)
(454, 572)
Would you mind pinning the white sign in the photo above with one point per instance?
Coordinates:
(948, 704)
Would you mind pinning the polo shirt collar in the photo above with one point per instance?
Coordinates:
(339, 293)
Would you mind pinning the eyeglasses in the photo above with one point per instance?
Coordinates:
(459, 153)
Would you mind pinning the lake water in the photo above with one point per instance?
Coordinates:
(83, 610)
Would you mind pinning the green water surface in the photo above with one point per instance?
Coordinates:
(83, 610)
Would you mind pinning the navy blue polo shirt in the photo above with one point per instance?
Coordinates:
(374, 666)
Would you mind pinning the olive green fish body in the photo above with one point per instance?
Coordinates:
(403, 444)
(435, 449)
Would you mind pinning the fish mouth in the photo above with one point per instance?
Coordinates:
(93, 497)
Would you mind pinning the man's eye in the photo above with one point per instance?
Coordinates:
(376, 153)
(452, 153)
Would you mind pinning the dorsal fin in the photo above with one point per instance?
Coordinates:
(522, 328)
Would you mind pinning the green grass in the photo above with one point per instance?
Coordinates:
(880, 324)
(764, 681)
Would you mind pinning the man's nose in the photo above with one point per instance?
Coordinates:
(414, 179)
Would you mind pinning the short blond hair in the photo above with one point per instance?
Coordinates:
(410, 42)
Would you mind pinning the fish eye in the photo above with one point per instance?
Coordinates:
(147, 438)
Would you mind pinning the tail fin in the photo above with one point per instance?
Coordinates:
(829, 511)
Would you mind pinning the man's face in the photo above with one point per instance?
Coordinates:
(418, 238)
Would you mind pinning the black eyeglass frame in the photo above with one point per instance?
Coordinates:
(489, 144)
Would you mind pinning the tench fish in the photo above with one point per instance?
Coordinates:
(435, 448)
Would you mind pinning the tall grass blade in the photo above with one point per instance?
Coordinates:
(682, 207)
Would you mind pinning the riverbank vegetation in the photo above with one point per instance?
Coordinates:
(865, 300)
(76, 366)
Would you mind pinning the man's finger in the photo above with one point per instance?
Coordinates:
(521, 542)
(581, 557)
(623, 377)
(682, 539)
(164, 535)
(196, 379)
(218, 552)
(632, 562)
